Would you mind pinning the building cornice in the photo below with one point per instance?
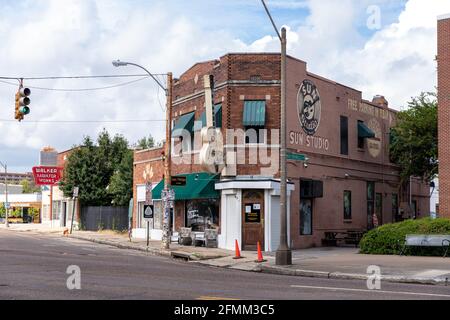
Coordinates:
(444, 16)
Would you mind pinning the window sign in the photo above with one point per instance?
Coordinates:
(254, 214)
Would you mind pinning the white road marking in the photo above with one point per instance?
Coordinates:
(374, 291)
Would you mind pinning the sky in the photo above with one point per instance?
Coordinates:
(383, 47)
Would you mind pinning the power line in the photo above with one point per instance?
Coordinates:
(80, 77)
(83, 121)
(81, 89)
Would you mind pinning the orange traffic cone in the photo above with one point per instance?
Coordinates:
(260, 256)
(238, 252)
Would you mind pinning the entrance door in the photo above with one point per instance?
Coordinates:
(252, 219)
(379, 208)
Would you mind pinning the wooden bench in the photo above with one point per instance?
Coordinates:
(424, 240)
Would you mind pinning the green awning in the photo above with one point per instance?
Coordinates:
(217, 116)
(185, 122)
(198, 186)
(364, 131)
(254, 114)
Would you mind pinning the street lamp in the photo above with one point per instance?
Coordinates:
(284, 253)
(6, 194)
(167, 195)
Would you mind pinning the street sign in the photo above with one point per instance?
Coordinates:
(148, 193)
(148, 211)
(178, 181)
(296, 156)
(7, 205)
(47, 175)
(75, 192)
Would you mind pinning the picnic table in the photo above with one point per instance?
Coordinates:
(348, 236)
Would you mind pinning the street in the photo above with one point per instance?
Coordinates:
(33, 266)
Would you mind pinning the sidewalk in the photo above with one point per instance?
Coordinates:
(122, 241)
(334, 263)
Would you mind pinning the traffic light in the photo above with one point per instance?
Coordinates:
(22, 103)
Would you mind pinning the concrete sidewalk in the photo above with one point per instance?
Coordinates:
(333, 263)
(121, 240)
(346, 263)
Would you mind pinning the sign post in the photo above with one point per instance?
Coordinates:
(148, 208)
(75, 196)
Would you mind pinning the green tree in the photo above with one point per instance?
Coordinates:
(29, 187)
(121, 186)
(146, 143)
(414, 139)
(91, 167)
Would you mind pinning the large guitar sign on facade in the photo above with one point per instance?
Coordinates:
(211, 154)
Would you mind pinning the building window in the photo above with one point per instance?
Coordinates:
(379, 208)
(306, 217)
(202, 214)
(360, 138)
(395, 216)
(255, 135)
(344, 135)
(347, 205)
(370, 204)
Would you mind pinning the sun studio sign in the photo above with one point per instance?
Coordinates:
(309, 109)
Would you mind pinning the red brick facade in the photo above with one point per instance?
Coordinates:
(240, 77)
(444, 114)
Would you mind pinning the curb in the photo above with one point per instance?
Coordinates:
(156, 252)
(346, 276)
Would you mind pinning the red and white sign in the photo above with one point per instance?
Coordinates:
(47, 176)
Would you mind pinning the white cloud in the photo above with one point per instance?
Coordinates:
(82, 37)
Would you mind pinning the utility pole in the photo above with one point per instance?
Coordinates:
(167, 194)
(284, 253)
(6, 194)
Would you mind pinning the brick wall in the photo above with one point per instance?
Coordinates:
(444, 115)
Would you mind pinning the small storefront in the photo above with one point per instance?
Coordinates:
(251, 213)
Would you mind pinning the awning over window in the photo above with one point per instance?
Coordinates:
(364, 131)
(185, 122)
(198, 186)
(254, 114)
(217, 115)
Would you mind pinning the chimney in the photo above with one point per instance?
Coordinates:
(380, 101)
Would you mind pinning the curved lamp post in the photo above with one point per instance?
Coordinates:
(167, 153)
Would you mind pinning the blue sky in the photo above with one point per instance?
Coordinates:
(73, 37)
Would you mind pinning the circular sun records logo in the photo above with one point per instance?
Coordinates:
(309, 107)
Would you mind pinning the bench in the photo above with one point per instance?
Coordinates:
(424, 240)
(207, 238)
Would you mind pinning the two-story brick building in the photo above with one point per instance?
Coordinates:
(346, 182)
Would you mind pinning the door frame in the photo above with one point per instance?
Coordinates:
(262, 215)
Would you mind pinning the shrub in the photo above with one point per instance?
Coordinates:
(389, 238)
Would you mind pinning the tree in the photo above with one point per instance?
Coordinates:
(91, 167)
(146, 143)
(414, 140)
(29, 187)
(121, 186)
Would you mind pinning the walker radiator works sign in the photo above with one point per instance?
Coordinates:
(46, 176)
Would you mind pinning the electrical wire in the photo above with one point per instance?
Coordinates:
(81, 89)
(83, 121)
(80, 77)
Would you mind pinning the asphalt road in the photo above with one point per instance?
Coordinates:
(33, 266)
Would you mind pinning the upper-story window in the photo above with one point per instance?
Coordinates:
(254, 121)
(364, 133)
(344, 135)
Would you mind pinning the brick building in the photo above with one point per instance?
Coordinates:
(346, 183)
(62, 207)
(443, 58)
